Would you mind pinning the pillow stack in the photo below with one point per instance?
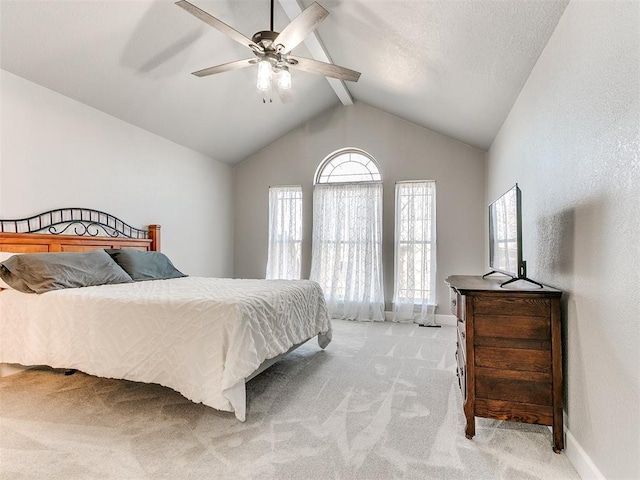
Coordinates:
(142, 265)
(43, 272)
(5, 256)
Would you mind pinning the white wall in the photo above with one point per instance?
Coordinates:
(404, 151)
(572, 141)
(56, 152)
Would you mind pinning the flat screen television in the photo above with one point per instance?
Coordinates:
(505, 236)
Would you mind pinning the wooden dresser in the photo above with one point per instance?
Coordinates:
(509, 352)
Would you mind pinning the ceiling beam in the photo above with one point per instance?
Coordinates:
(292, 8)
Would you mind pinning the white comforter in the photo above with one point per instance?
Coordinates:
(199, 336)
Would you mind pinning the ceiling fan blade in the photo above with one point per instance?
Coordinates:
(225, 67)
(217, 24)
(322, 68)
(300, 27)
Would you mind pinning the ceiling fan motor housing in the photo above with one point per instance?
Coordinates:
(270, 51)
(265, 39)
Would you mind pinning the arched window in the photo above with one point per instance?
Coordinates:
(346, 258)
(348, 165)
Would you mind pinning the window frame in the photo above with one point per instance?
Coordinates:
(285, 239)
(430, 242)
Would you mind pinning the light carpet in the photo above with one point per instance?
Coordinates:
(381, 402)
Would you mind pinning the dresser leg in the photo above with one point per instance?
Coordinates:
(558, 437)
(470, 431)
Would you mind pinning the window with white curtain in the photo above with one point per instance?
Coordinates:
(285, 232)
(415, 252)
(347, 235)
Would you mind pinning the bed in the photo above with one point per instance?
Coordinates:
(203, 337)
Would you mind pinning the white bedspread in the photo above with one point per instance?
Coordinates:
(199, 336)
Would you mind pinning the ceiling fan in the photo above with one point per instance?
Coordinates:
(272, 50)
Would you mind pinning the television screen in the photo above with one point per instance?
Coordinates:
(505, 234)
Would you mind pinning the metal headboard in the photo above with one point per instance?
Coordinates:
(75, 221)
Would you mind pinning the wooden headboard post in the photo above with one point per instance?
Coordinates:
(154, 235)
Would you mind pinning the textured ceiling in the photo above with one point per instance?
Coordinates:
(455, 67)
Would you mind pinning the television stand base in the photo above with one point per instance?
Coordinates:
(524, 279)
(491, 273)
(513, 279)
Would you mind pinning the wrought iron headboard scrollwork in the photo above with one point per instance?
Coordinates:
(74, 221)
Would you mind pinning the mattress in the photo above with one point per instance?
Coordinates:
(200, 336)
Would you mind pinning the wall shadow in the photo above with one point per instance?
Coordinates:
(157, 40)
(569, 257)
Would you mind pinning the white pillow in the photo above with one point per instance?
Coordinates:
(5, 256)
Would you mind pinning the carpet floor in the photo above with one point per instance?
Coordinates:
(381, 402)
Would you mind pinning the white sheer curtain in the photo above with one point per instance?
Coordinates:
(347, 249)
(414, 296)
(285, 232)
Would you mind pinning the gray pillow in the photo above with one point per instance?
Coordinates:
(42, 272)
(141, 265)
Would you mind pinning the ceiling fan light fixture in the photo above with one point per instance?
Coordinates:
(284, 78)
(272, 50)
(265, 73)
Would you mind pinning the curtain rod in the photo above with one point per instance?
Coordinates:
(415, 181)
(333, 184)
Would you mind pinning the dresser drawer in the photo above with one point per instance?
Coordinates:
(457, 304)
(519, 359)
(514, 306)
(501, 326)
(462, 333)
(517, 412)
(462, 338)
(521, 387)
(461, 372)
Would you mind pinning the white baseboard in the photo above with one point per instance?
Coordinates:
(580, 460)
(7, 369)
(448, 320)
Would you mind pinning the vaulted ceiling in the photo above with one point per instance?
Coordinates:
(453, 66)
